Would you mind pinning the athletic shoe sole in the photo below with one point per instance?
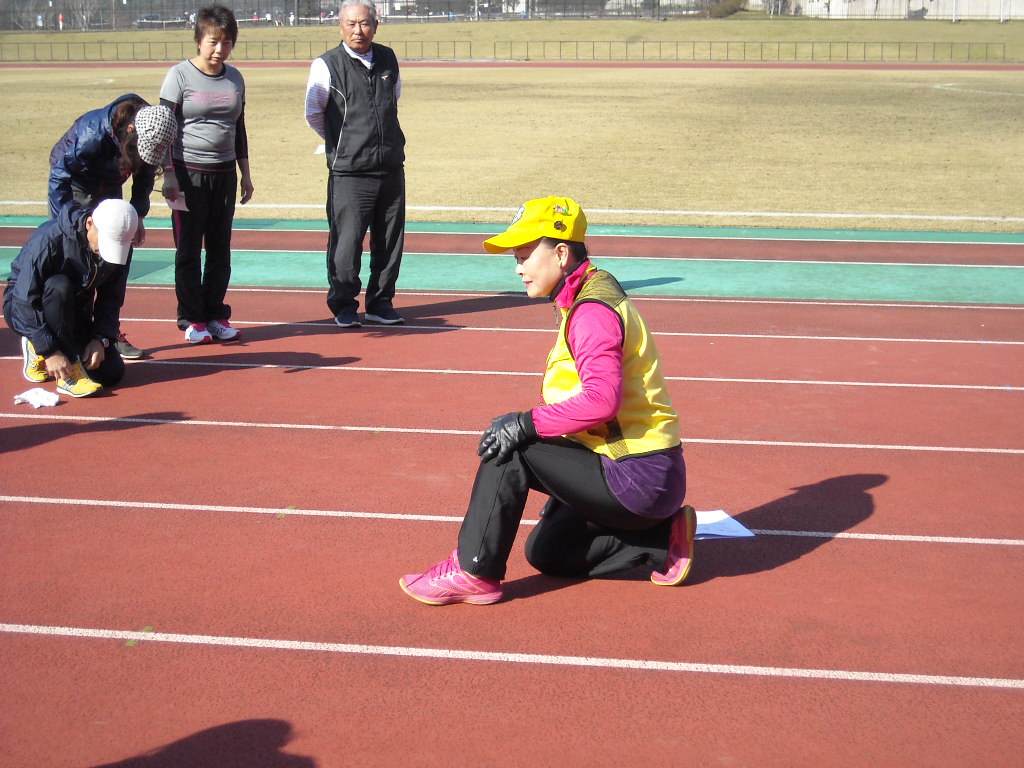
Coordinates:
(662, 580)
(128, 351)
(372, 318)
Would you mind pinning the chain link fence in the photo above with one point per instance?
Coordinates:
(80, 15)
(522, 50)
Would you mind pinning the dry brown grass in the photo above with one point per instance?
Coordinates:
(872, 143)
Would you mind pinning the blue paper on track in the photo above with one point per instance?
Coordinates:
(716, 524)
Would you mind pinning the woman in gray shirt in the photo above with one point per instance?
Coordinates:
(208, 98)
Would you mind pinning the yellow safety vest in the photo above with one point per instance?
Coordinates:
(646, 422)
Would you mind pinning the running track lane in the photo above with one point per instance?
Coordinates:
(158, 235)
(941, 610)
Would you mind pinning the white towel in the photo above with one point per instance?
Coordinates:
(37, 398)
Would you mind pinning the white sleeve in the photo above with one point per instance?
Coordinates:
(317, 92)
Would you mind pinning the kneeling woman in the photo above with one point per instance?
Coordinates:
(604, 446)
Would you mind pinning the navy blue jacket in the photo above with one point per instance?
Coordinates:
(59, 246)
(86, 159)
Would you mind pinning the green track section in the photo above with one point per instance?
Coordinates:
(925, 283)
(699, 277)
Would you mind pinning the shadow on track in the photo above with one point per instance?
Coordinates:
(828, 507)
(31, 435)
(244, 744)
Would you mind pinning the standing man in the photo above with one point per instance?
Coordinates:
(64, 296)
(352, 104)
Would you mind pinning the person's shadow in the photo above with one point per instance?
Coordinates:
(26, 436)
(243, 744)
(809, 517)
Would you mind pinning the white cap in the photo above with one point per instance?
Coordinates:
(116, 223)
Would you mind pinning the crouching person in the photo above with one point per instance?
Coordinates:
(64, 297)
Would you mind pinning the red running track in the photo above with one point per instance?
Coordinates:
(1003, 254)
(183, 503)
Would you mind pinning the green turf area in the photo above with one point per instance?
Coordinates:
(697, 277)
(653, 277)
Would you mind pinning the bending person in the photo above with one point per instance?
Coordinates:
(64, 295)
(604, 447)
(103, 149)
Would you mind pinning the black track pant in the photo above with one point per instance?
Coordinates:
(356, 204)
(584, 530)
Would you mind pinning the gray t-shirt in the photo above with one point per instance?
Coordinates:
(208, 109)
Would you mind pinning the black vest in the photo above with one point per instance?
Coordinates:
(361, 118)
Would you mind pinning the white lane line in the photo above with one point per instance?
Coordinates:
(682, 258)
(451, 654)
(476, 432)
(455, 295)
(405, 517)
(276, 511)
(471, 372)
(551, 331)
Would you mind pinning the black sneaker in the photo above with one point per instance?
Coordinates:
(126, 349)
(386, 316)
(347, 319)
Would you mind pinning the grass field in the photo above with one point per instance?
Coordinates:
(880, 146)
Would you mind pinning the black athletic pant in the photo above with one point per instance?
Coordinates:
(69, 319)
(201, 286)
(355, 204)
(584, 530)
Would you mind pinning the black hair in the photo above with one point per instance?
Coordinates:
(124, 116)
(216, 18)
(577, 250)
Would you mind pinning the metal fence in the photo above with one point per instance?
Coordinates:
(80, 15)
(524, 50)
(748, 51)
(269, 50)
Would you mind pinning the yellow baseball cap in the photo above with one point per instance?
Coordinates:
(556, 217)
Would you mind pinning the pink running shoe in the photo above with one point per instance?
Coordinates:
(196, 333)
(680, 549)
(447, 583)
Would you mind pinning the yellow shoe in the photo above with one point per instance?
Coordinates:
(78, 384)
(35, 365)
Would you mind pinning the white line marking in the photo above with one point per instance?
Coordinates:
(906, 538)
(961, 89)
(236, 509)
(450, 654)
(625, 260)
(455, 295)
(406, 517)
(552, 331)
(612, 258)
(535, 374)
(475, 432)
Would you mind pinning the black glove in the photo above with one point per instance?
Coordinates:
(506, 435)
